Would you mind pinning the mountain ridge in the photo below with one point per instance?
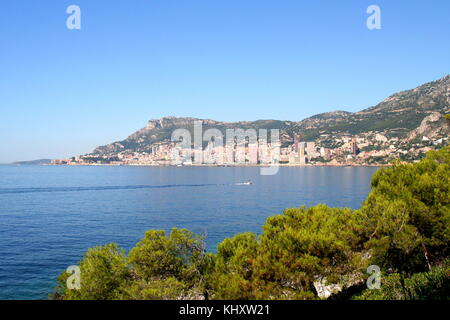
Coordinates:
(403, 126)
(399, 114)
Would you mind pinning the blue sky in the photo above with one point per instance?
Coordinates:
(64, 92)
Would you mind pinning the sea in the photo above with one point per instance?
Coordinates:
(50, 215)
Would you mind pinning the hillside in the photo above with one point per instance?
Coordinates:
(404, 118)
(158, 131)
(33, 162)
(396, 115)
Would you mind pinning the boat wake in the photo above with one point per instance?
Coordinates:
(99, 188)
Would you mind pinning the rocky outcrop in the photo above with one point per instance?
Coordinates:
(426, 127)
(324, 291)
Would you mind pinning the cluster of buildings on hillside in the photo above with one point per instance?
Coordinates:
(370, 148)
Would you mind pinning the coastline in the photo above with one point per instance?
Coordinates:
(222, 166)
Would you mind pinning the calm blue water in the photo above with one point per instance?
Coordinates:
(50, 215)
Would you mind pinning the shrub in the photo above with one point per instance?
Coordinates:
(431, 285)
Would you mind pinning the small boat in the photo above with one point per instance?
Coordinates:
(247, 183)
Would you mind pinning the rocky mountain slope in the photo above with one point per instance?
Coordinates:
(396, 115)
(404, 115)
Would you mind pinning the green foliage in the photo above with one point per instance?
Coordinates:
(294, 250)
(104, 272)
(403, 226)
(305, 244)
(166, 262)
(159, 267)
(156, 289)
(232, 273)
(406, 216)
(431, 285)
(447, 117)
(159, 256)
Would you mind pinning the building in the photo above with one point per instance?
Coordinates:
(311, 150)
(325, 153)
(301, 153)
(354, 147)
(296, 142)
